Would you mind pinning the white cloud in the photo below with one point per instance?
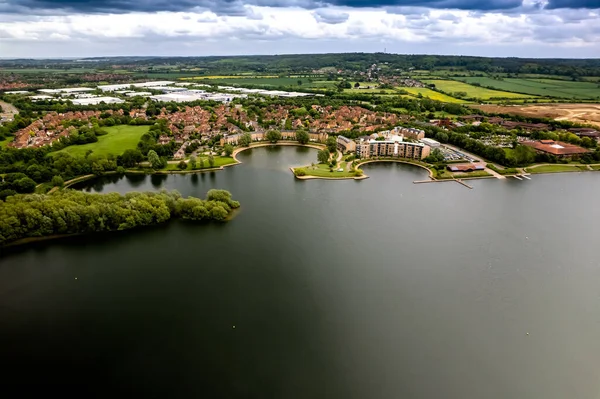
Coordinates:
(264, 28)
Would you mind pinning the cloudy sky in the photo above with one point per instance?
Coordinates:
(521, 28)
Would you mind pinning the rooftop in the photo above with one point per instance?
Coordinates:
(556, 147)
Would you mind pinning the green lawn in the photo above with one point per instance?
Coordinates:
(556, 168)
(479, 173)
(453, 86)
(540, 87)
(595, 167)
(4, 143)
(118, 139)
(322, 170)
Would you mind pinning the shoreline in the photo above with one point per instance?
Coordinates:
(317, 146)
(279, 143)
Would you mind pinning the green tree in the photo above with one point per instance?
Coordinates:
(57, 181)
(331, 144)
(228, 149)
(131, 158)
(154, 160)
(182, 165)
(273, 136)
(436, 156)
(245, 140)
(323, 156)
(302, 136)
(193, 162)
(211, 160)
(24, 185)
(201, 164)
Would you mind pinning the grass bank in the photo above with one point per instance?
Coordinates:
(556, 168)
(323, 170)
(118, 139)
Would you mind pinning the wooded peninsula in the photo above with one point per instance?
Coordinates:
(69, 212)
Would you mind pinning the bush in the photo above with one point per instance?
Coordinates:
(182, 165)
(57, 181)
(300, 172)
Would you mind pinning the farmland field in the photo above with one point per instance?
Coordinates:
(118, 139)
(541, 87)
(370, 91)
(236, 77)
(432, 94)
(453, 86)
(46, 70)
(256, 81)
(580, 113)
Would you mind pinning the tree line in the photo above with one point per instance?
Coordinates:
(75, 212)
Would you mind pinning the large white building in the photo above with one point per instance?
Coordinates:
(189, 96)
(128, 85)
(97, 100)
(430, 142)
(66, 90)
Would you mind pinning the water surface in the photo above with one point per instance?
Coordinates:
(377, 288)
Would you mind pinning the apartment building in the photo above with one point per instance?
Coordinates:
(394, 147)
(344, 144)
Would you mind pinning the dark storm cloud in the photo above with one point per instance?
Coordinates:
(456, 4)
(552, 4)
(236, 7)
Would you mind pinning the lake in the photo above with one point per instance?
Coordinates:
(378, 288)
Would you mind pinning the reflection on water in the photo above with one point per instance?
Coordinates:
(377, 288)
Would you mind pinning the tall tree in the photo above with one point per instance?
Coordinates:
(302, 136)
(245, 140)
(273, 136)
(331, 144)
(323, 156)
(154, 160)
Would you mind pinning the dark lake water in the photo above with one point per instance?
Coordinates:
(378, 288)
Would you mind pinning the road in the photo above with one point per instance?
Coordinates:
(8, 110)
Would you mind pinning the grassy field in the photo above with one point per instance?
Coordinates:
(370, 91)
(471, 174)
(541, 87)
(46, 70)
(556, 168)
(322, 170)
(595, 167)
(118, 139)
(255, 81)
(4, 143)
(432, 94)
(453, 86)
(237, 77)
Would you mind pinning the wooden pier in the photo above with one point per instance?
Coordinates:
(459, 181)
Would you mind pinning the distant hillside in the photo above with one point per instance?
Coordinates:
(348, 61)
